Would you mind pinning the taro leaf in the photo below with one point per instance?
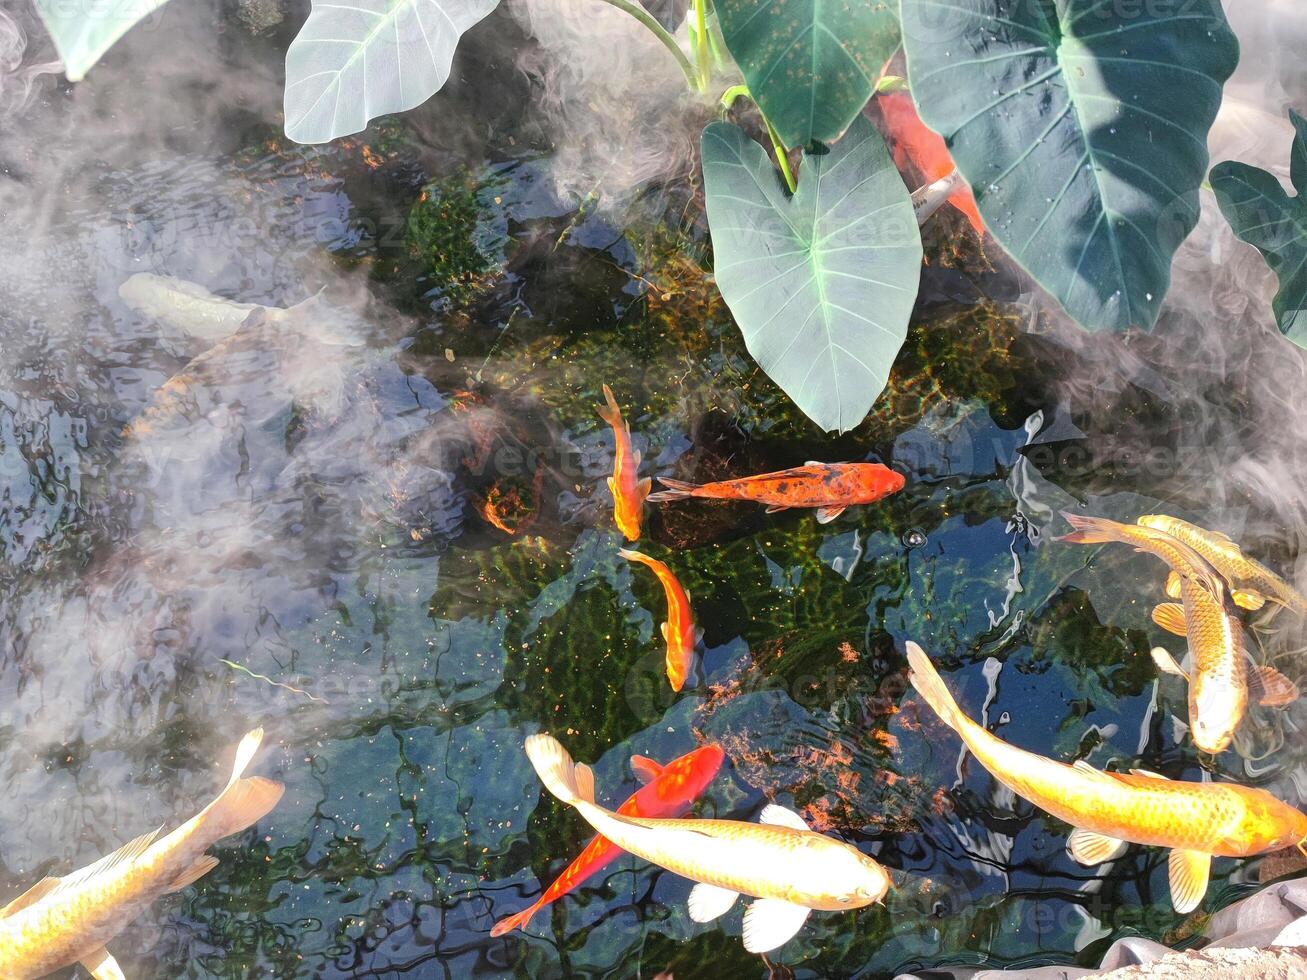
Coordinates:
(357, 59)
(810, 65)
(821, 284)
(83, 32)
(1081, 125)
(1264, 216)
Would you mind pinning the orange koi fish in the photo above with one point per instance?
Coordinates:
(668, 791)
(1195, 820)
(678, 630)
(830, 487)
(628, 491)
(912, 142)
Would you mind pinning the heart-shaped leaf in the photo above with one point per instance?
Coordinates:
(354, 60)
(821, 284)
(1081, 125)
(83, 32)
(810, 65)
(1266, 217)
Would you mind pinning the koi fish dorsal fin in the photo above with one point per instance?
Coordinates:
(30, 897)
(1148, 774)
(769, 923)
(1080, 765)
(708, 902)
(1090, 848)
(1188, 872)
(101, 966)
(779, 816)
(645, 769)
(126, 854)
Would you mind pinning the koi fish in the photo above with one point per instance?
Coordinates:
(830, 487)
(668, 791)
(628, 491)
(787, 867)
(1109, 809)
(62, 921)
(678, 630)
(1251, 582)
(1218, 687)
(912, 142)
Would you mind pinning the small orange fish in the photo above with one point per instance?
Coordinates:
(912, 142)
(628, 491)
(678, 630)
(668, 791)
(829, 487)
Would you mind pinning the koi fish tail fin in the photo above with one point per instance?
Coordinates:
(244, 801)
(925, 678)
(1091, 530)
(568, 781)
(516, 921)
(610, 413)
(676, 490)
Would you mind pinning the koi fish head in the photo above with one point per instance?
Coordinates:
(1218, 708)
(681, 782)
(851, 880)
(876, 481)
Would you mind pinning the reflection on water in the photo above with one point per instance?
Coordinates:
(396, 554)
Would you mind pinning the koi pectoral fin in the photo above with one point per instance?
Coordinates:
(708, 902)
(1166, 663)
(827, 514)
(775, 509)
(1173, 585)
(102, 966)
(1170, 616)
(1247, 599)
(1268, 687)
(194, 873)
(1090, 848)
(1188, 872)
(645, 769)
(769, 923)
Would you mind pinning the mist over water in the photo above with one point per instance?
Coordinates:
(315, 499)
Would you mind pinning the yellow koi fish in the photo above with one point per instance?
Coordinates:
(787, 867)
(1251, 582)
(678, 630)
(627, 489)
(1108, 809)
(62, 921)
(1218, 686)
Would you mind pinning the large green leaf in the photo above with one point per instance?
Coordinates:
(357, 59)
(1265, 216)
(1082, 128)
(83, 32)
(821, 284)
(810, 64)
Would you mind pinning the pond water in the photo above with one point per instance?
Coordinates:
(382, 532)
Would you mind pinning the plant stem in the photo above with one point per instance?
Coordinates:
(728, 100)
(781, 156)
(669, 42)
(701, 42)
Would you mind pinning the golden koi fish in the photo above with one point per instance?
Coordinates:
(62, 921)
(627, 489)
(787, 867)
(1251, 582)
(1108, 809)
(678, 630)
(1218, 686)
